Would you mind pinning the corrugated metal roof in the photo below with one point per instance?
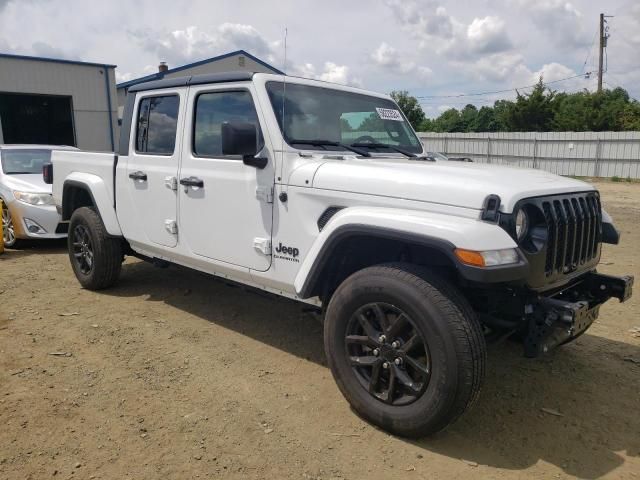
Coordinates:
(54, 60)
(160, 75)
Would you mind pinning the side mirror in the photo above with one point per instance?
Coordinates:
(239, 138)
(47, 173)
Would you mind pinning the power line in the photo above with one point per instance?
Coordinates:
(595, 35)
(476, 94)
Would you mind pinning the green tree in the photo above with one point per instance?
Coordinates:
(410, 107)
(532, 112)
(545, 110)
(572, 112)
(630, 118)
(449, 121)
(468, 116)
(500, 112)
(426, 125)
(373, 123)
(485, 121)
(345, 126)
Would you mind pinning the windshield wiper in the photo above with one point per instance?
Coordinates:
(384, 145)
(329, 143)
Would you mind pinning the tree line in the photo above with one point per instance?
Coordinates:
(541, 110)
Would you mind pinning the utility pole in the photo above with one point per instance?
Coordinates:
(604, 35)
(601, 52)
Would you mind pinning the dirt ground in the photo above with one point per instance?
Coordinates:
(175, 375)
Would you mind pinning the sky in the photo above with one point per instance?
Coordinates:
(435, 49)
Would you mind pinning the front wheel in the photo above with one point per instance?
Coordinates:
(405, 348)
(8, 230)
(96, 257)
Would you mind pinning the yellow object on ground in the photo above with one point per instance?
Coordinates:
(1, 234)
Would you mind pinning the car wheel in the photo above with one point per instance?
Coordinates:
(95, 257)
(405, 348)
(8, 230)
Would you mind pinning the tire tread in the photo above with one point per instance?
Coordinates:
(463, 324)
(107, 251)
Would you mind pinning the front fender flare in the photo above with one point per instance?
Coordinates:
(97, 189)
(435, 230)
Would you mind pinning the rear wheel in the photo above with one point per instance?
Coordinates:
(8, 230)
(95, 257)
(405, 348)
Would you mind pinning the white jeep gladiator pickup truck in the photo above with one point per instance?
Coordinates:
(322, 193)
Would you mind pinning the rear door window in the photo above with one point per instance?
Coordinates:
(157, 125)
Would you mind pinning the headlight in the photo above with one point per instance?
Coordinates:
(34, 198)
(522, 224)
(487, 258)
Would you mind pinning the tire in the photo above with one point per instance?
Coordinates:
(451, 348)
(100, 266)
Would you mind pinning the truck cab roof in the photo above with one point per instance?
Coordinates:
(193, 80)
(238, 76)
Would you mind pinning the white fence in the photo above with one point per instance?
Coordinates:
(585, 154)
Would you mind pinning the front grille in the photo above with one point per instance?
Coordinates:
(574, 224)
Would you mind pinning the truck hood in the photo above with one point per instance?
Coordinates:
(451, 183)
(31, 182)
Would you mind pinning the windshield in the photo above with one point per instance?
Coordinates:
(437, 156)
(339, 119)
(24, 161)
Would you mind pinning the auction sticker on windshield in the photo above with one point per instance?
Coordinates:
(389, 114)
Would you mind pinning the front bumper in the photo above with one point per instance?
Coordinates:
(566, 314)
(45, 216)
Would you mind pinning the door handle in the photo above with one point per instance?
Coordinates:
(138, 176)
(192, 182)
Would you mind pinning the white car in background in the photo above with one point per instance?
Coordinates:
(28, 210)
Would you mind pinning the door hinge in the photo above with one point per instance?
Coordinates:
(171, 226)
(263, 245)
(171, 183)
(265, 194)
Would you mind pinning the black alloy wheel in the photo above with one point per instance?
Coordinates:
(82, 249)
(388, 354)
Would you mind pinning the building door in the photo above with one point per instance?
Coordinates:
(36, 119)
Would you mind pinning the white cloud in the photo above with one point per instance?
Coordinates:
(471, 46)
(434, 28)
(552, 72)
(42, 49)
(498, 67)
(386, 56)
(191, 43)
(560, 20)
(488, 35)
(390, 59)
(331, 72)
(335, 73)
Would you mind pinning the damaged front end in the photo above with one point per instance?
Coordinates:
(554, 319)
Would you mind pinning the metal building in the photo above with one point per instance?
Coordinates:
(59, 102)
(240, 60)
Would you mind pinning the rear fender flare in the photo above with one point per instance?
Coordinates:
(99, 193)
